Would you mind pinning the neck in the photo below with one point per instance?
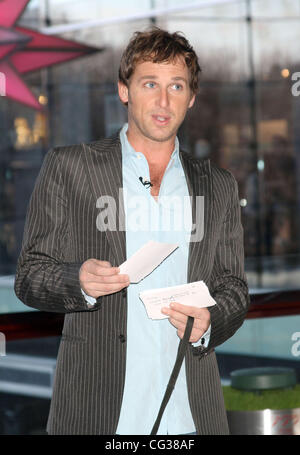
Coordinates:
(154, 151)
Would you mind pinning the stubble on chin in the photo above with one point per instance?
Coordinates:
(163, 138)
(162, 135)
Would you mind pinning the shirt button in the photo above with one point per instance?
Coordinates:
(122, 338)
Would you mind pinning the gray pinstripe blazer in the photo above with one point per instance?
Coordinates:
(60, 235)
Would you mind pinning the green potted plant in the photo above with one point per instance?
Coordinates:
(263, 401)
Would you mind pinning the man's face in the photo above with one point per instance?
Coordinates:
(158, 97)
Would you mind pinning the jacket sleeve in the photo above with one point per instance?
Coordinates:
(228, 284)
(43, 279)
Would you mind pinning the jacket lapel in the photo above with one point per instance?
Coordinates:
(198, 177)
(103, 160)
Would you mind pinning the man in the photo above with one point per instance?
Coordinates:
(114, 362)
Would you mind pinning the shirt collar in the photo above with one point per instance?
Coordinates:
(128, 151)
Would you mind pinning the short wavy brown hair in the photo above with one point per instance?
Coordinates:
(157, 45)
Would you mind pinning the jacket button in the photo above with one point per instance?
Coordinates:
(122, 338)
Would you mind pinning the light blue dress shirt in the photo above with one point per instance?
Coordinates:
(152, 344)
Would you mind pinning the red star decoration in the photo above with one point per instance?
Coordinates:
(23, 50)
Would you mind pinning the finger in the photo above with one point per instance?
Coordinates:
(102, 289)
(201, 315)
(178, 325)
(178, 320)
(194, 337)
(186, 309)
(180, 333)
(121, 279)
(116, 279)
(198, 325)
(99, 270)
(175, 315)
(102, 263)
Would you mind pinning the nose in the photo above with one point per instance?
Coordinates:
(163, 98)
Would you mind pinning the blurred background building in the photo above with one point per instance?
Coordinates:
(246, 119)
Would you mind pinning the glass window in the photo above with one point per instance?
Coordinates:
(245, 118)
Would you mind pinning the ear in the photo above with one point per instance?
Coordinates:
(192, 101)
(123, 92)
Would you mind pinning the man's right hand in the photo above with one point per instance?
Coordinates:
(100, 278)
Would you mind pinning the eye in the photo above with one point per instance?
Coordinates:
(150, 84)
(177, 87)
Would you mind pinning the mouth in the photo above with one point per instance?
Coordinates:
(161, 120)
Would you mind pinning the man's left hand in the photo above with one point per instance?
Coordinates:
(178, 316)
